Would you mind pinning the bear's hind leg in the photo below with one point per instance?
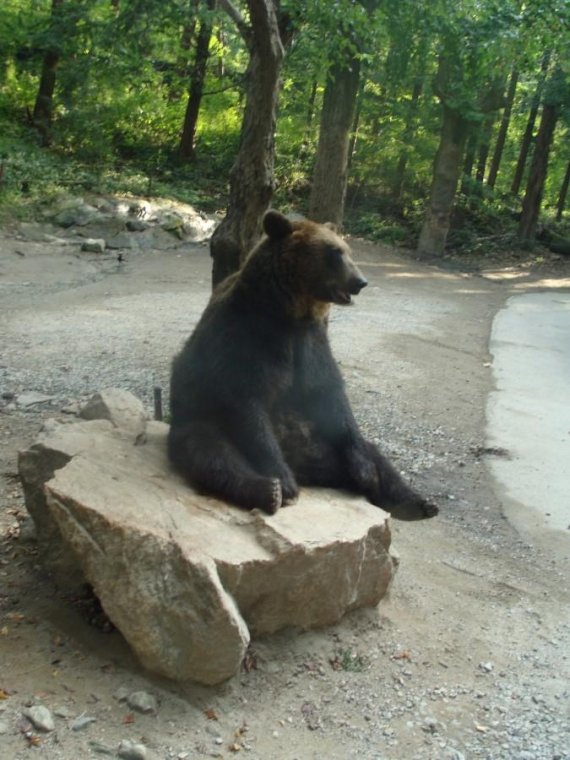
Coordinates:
(400, 499)
(213, 465)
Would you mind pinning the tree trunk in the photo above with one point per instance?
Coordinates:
(251, 177)
(187, 141)
(469, 162)
(484, 147)
(527, 137)
(537, 173)
(503, 129)
(563, 193)
(328, 192)
(407, 138)
(447, 168)
(355, 123)
(43, 108)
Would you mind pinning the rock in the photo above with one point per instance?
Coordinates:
(185, 578)
(31, 398)
(40, 717)
(122, 240)
(130, 751)
(120, 407)
(137, 225)
(81, 722)
(142, 702)
(78, 215)
(93, 245)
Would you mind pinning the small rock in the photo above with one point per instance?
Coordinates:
(453, 754)
(218, 740)
(130, 751)
(137, 225)
(30, 398)
(40, 717)
(122, 240)
(122, 694)
(142, 702)
(99, 748)
(82, 722)
(432, 726)
(62, 712)
(94, 245)
(486, 667)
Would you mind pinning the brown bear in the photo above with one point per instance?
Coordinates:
(258, 405)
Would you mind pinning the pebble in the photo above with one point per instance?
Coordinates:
(82, 721)
(486, 667)
(130, 751)
(142, 702)
(40, 717)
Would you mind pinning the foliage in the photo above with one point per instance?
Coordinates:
(122, 84)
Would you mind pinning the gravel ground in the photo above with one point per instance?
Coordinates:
(466, 658)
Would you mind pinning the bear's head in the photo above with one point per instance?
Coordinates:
(314, 262)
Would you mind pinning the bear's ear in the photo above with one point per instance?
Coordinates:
(331, 226)
(276, 225)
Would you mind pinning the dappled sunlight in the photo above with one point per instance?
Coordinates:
(427, 275)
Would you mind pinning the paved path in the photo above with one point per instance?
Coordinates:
(529, 412)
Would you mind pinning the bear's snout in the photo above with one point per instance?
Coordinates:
(356, 284)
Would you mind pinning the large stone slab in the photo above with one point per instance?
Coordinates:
(187, 579)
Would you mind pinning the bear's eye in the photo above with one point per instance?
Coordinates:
(333, 255)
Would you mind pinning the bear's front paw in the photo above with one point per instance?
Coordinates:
(289, 487)
(265, 494)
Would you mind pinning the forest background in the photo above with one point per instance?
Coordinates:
(436, 124)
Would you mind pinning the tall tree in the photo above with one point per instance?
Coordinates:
(529, 129)
(328, 190)
(563, 194)
(470, 62)
(556, 93)
(503, 129)
(197, 77)
(251, 177)
(461, 107)
(43, 108)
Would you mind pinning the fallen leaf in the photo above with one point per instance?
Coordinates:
(128, 719)
(4, 694)
(403, 654)
(211, 714)
(234, 747)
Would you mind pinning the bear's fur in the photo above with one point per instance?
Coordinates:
(258, 405)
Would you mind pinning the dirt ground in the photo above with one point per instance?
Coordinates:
(468, 657)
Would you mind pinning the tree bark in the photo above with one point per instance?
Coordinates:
(187, 141)
(537, 174)
(503, 129)
(328, 192)
(447, 168)
(527, 137)
(251, 177)
(563, 194)
(43, 108)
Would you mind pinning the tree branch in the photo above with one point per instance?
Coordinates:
(237, 18)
